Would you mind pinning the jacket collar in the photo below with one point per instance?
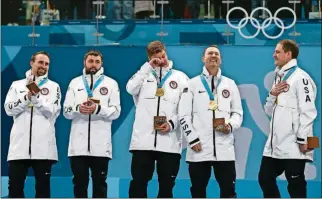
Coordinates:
(30, 76)
(208, 76)
(286, 67)
(96, 76)
(165, 70)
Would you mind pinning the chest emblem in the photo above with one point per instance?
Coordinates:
(287, 88)
(173, 84)
(44, 91)
(103, 91)
(225, 93)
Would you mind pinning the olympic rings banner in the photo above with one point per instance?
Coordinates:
(265, 24)
(252, 69)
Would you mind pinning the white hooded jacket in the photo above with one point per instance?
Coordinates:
(292, 114)
(91, 135)
(143, 86)
(196, 119)
(33, 132)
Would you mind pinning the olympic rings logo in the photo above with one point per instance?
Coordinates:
(267, 22)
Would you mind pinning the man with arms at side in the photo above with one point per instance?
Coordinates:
(210, 110)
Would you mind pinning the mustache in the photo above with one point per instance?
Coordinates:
(91, 71)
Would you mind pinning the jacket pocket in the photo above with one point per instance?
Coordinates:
(148, 89)
(201, 101)
(295, 120)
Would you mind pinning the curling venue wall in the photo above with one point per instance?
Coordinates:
(140, 32)
(252, 69)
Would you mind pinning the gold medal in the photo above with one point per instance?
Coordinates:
(30, 105)
(160, 92)
(213, 105)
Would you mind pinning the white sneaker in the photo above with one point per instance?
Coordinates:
(15, 24)
(10, 24)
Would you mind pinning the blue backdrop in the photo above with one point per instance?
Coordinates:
(140, 32)
(251, 67)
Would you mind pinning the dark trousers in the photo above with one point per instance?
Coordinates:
(80, 166)
(17, 170)
(142, 168)
(225, 174)
(271, 168)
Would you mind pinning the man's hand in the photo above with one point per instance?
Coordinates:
(87, 108)
(303, 148)
(165, 128)
(224, 128)
(31, 93)
(197, 147)
(155, 62)
(279, 88)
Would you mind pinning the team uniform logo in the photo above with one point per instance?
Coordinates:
(173, 84)
(44, 91)
(104, 91)
(287, 88)
(225, 93)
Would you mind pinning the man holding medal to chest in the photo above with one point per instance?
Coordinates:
(34, 104)
(210, 110)
(291, 106)
(92, 103)
(156, 89)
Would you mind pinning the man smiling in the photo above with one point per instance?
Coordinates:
(209, 111)
(32, 138)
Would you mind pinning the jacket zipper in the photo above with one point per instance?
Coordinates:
(30, 130)
(213, 117)
(156, 132)
(89, 122)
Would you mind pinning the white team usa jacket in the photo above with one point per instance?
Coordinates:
(33, 132)
(90, 135)
(143, 86)
(292, 116)
(196, 119)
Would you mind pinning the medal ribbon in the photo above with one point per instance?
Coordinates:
(88, 90)
(42, 82)
(205, 84)
(163, 79)
(290, 72)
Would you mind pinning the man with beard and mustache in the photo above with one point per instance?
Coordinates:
(32, 137)
(291, 105)
(156, 89)
(210, 110)
(92, 103)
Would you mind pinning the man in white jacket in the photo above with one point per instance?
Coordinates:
(210, 110)
(156, 89)
(291, 106)
(32, 137)
(92, 103)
